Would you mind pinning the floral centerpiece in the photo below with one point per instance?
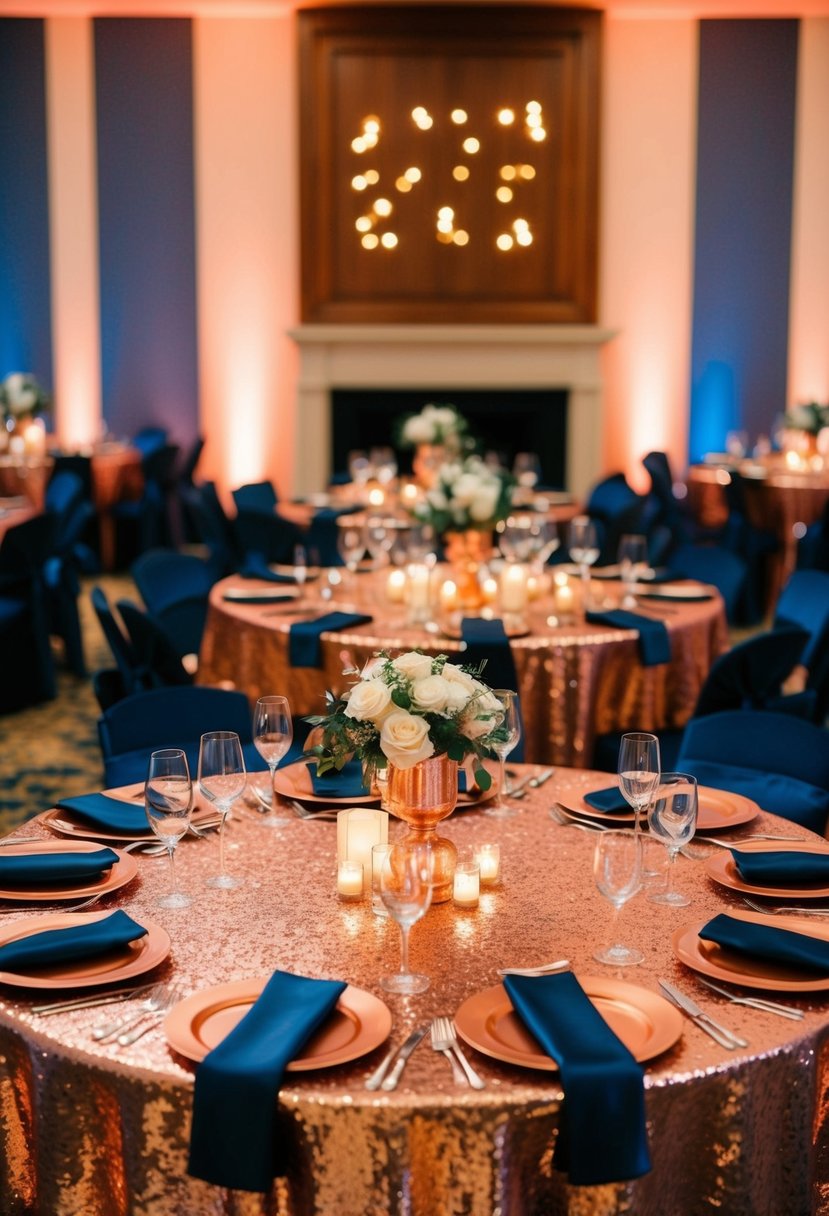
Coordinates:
(466, 494)
(21, 397)
(810, 417)
(435, 425)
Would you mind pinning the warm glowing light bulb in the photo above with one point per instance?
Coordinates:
(358, 145)
(533, 107)
(388, 240)
(363, 224)
(459, 116)
(358, 182)
(460, 173)
(533, 120)
(370, 139)
(403, 185)
(444, 226)
(419, 112)
(524, 237)
(371, 125)
(372, 176)
(506, 116)
(446, 213)
(538, 134)
(504, 241)
(370, 241)
(445, 238)
(425, 123)
(413, 174)
(471, 145)
(507, 172)
(382, 206)
(519, 225)
(460, 237)
(527, 172)
(503, 194)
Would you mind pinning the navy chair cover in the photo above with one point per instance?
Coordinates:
(616, 509)
(804, 601)
(213, 527)
(256, 496)
(27, 674)
(715, 565)
(154, 649)
(134, 676)
(175, 588)
(269, 535)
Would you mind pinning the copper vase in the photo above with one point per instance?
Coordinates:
(466, 552)
(421, 796)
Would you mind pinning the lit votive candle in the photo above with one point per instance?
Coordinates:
(448, 596)
(409, 494)
(488, 857)
(466, 887)
(396, 586)
(564, 597)
(376, 497)
(489, 590)
(350, 881)
(513, 588)
(34, 438)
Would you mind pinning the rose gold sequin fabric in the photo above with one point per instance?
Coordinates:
(575, 681)
(103, 1130)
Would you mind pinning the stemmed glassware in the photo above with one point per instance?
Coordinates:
(406, 890)
(672, 817)
(273, 732)
(300, 567)
(510, 731)
(639, 767)
(526, 469)
(351, 545)
(617, 869)
(583, 545)
(222, 779)
(633, 562)
(359, 467)
(168, 801)
(384, 464)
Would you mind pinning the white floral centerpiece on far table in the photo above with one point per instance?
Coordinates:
(21, 397)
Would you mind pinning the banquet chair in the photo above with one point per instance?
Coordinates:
(270, 537)
(813, 546)
(255, 496)
(175, 588)
(27, 673)
(149, 438)
(750, 675)
(213, 527)
(754, 544)
(185, 474)
(70, 556)
(134, 676)
(669, 512)
(144, 523)
(715, 565)
(154, 648)
(778, 760)
(616, 509)
(804, 601)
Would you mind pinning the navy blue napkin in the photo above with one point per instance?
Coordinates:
(603, 1084)
(68, 945)
(767, 942)
(233, 1141)
(253, 597)
(101, 811)
(256, 567)
(55, 867)
(304, 645)
(654, 642)
(778, 868)
(487, 641)
(610, 801)
(347, 783)
(695, 597)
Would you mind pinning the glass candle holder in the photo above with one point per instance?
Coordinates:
(488, 857)
(350, 881)
(379, 853)
(466, 885)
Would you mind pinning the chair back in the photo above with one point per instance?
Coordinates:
(804, 601)
(265, 536)
(165, 577)
(752, 672)
(154, 650)
(148, 438)
(255, 496)
(616, 509)
(212, 526)
(132, 673)
(715, 565)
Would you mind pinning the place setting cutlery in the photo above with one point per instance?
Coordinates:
(571, 819)
(445, 1040)
(54, 905)
(560, 964)
(127, 1030)
(715, 1030)
(114, 996)
(736, 842)
(782, 909)
(518, 789)
(754, 1002)
(395, 1060)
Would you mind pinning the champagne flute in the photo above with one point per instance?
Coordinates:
(222, 778)
(168, 801)
(638, 768)
(507, 734)
(273, 732)
(584, 549)
(406, 890)
(633, 562)
(672, 818)
(617, 869)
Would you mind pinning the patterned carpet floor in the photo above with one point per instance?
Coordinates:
(51, 750)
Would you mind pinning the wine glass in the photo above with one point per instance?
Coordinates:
(638, 767)
(617, 869)
(633, 562)
(406, 890)
(359, 467)
(583, 545)
(351, 545)
(384, 464)
(379, 540)
(221, 779)
(672, 818)
(273, 732)
(526, 469)
(168, 801)
(508, 732)
(300, 567)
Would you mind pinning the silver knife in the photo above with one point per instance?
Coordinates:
(402, 1056)
(720, 1034)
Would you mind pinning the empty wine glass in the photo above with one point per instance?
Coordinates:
(351, 545)
(583, 545)
(406, 890)
(168, 801)
(300, 567)
(379, 540)
(384, 463)
(359, 467)
(526, 469)
(633, 562)
(273, 733)
(617, 869)
(672, 817)
(508, 732)
(222, 778)
(639, 767)
(517, 538)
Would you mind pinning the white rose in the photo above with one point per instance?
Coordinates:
(412, 665)
(431, 694)
(483, 505)
(372, 668)
(456, 697)
(404, 739)
(445, 417)
(370, 700)
(467, 488)
(473, 727)
(418, 430)
(456, 675)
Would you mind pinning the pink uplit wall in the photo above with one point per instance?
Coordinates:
(648, 138)
(73, 229)
(809, 299)
(246, 224)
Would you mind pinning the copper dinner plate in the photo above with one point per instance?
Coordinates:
(121, 964)
(645, 1022)
(710, 959)
(723, 869)
(719, 810)
(118, 875)
(360, 1022)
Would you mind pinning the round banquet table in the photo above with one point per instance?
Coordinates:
(103, 1129)
(575, 681)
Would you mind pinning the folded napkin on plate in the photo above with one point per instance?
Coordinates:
(603, 1135)
(654, 642)
(347, 783)
(304, 645)
(610, 801)
(256, 567)
(55, 867)
(768, 943)
(778, 868)
(253, 597)
(82, 941)
(233, 1141)
(101, 811)
(695, 597)
(336, 512)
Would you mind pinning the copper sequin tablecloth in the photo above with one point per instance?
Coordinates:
(575, 681)
(103, 1130)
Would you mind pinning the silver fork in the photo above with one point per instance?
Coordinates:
(441, 1043)
(754, 1002)
(45, 905)
(568, 821)
(140, 1027)
(781, 909)
(449, 1035)
(109, 1029)
(730, 844)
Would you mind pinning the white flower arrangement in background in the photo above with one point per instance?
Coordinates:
(22, 396)
(466, 494)
(437, 425)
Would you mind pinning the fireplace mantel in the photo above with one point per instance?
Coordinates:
(453, 357)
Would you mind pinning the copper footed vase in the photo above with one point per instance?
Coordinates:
(421, 796)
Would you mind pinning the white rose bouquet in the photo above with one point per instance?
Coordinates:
(811, 417)
(21, 395)
(439, 425)
(403, 710)
(466, 494)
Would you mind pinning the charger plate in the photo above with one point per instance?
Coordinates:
(118, 965)
(710, 959)
(719, 810)
(723, 869)
(118, 875)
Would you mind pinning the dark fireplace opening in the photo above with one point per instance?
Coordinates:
(505, 421)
